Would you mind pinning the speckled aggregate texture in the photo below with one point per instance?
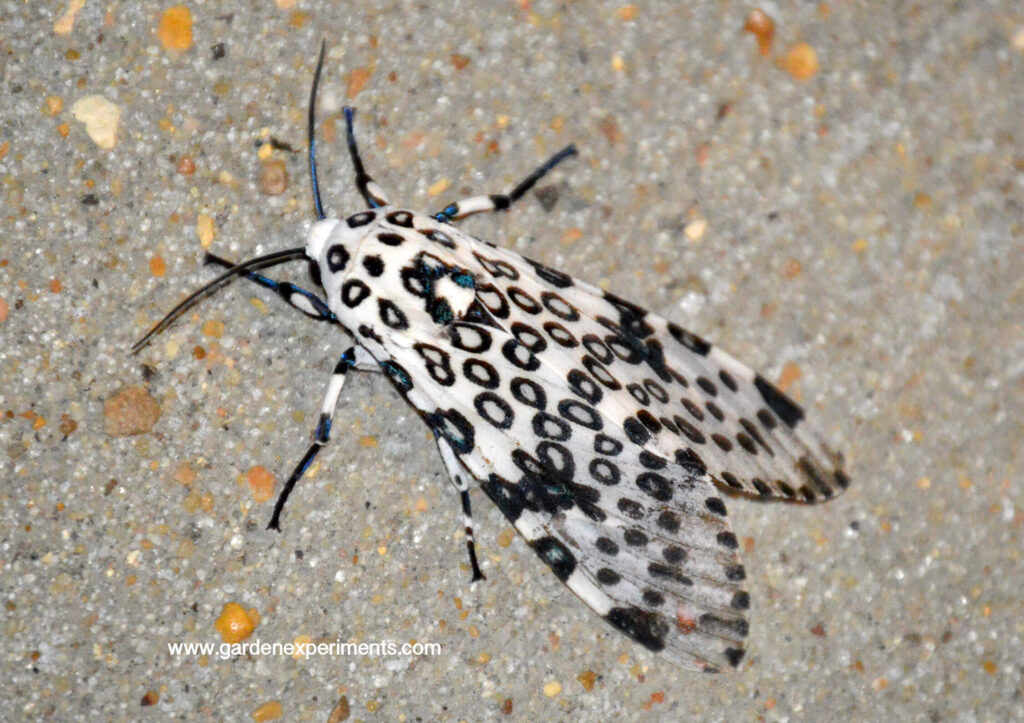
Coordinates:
(856, 235)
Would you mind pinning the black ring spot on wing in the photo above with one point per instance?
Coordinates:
(354, 292)
(481, 373)
(337, 258)
(494, 410)
(529, 392)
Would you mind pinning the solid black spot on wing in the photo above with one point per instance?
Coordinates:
(607, 576)
(636, 431)
(674, 554)
(646, 628)
(785, 488)
(558, 557)
(374, 265)
(652, 461)
(784, 408)
(607, 546)
(734, 656)
(727, 539)
(694, 434)
(746, 442)
(631, 508)
(762, 487)
(735, 573)
(722, 441)
(730, 479)
(841, 478)
(691, 462)
(648, 420)
(669, 521)
(740, 600)
(390, 239)
(653, 598)
(726, 379)
(695, 411)
(716, 505)
(707, 385)
(715, 411)
(669, 572)
(635, 537)
(691, 341)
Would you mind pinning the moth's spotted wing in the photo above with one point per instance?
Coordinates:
(670, 390)
(640, 539)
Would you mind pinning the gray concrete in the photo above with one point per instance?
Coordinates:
(863, 228)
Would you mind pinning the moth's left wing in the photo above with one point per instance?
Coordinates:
(641, 540)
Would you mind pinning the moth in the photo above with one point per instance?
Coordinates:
(607, 435)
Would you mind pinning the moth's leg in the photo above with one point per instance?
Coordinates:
(460, 477)
(501, 201)
(305, 301)
(353, 358)
(368, 188)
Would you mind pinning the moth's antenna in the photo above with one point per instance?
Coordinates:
(260, 262)
(311, 133)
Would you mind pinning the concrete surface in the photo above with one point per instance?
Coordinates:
(857, 235)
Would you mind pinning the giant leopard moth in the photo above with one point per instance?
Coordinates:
(603, 432)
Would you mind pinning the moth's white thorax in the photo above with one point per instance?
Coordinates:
(316, 237)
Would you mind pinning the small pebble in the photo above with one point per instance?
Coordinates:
(100, 117)
(273, 179)
(130, 411)
(175, 29)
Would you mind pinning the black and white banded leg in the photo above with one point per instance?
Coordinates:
(305, 301)
(354, 357)
(460, 477)
(501, 201)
